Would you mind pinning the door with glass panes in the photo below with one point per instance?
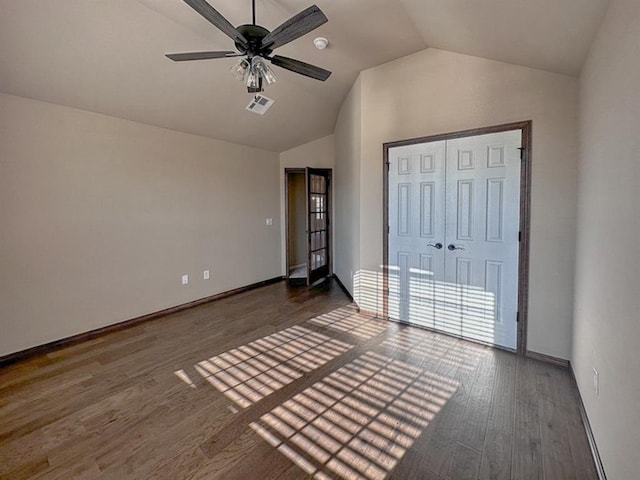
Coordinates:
(318, 223)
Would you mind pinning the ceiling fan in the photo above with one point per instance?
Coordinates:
(256, 44)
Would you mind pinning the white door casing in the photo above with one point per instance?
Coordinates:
(469, 202)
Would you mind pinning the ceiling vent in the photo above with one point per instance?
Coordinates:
(260, 104)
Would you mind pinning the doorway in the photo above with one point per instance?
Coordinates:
(308, 225)
(456, 240)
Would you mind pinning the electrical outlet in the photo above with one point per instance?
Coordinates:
(596, 381)
(205, 274)
(185, 279)
(269, 221)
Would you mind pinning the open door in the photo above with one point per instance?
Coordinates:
(318, 224)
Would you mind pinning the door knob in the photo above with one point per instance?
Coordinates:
(436, 245)
(453, 247)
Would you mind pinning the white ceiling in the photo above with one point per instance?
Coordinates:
(107, 56)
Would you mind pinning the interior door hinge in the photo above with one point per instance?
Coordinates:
(521, 152)
(388, 230)
(520, 236)
(517, 317)
(388, 166)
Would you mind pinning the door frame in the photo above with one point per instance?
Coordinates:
(287, 172)
(303, 171)
(525, 215)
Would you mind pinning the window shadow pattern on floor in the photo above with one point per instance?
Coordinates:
(349, 320)
(250, 372)
(357, 422)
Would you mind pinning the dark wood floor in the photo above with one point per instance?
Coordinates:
(285, 384)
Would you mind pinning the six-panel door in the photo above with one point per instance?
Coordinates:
(462, 194)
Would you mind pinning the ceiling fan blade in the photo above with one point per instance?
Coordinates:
(181, 57)
(297, 26)
(300, 67)
(216, 18)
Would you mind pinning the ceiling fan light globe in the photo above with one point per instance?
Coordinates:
(269, 76)
(263, 70)
(253, 79)
(240, 69)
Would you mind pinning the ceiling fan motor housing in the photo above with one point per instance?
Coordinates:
(254, 35)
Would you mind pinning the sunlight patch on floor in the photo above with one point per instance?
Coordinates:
(433, 347)
(249, 373)
(358, 422)
(349, 320)
(182, 375)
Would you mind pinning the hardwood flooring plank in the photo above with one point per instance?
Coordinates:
(242, 459)
(464, 464)
(474, 424)
(566, 434)
(83, 470)
(28, 470)
(527, 449)
(498, 447)
(527, 441)
(557, 460)
(412, 466)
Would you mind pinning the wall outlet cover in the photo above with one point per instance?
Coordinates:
(205, 274)
(185, 279)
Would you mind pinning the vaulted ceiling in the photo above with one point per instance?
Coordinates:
(107, 56)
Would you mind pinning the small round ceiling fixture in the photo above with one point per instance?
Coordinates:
(321, 43)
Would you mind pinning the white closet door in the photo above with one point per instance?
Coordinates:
(416, 226)
(462, 194)
(482, 225)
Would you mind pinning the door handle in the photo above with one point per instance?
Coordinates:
(453, 247)
(436, 245)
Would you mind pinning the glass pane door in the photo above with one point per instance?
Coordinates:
(318, 223)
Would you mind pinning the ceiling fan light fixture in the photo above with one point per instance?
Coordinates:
(263, 70)
(269, 76)
(253, 79)
(240, 69)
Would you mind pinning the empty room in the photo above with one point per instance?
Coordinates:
(354, 240)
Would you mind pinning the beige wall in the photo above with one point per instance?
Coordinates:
(606, 332)
(348, 142)
(100, 217)
(434, 91)
(317, 154)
